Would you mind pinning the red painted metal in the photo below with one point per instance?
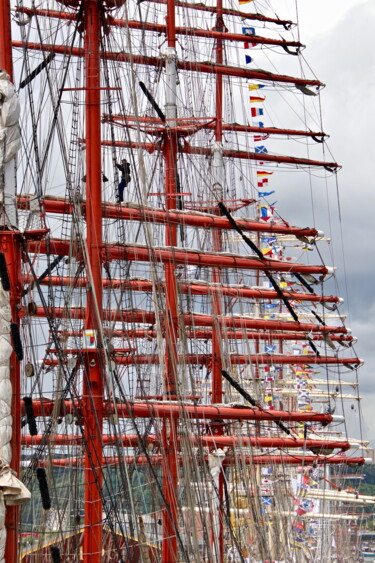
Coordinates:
(216, 276)
(148, 317)
(6, 61)
(270, 130)
(133, 441)
(206, 221)
(44, 407)
(10, 246)
(206, 334)
(228, 461)
(212, 9)
(175, 255)
(169, 429)
(93, 379)
(214, 412)
(192, 288)
(191, 66)
(159, 28)
(296, 460)
(118, 119)
(244, 155)
(234, 359)
(92, 405)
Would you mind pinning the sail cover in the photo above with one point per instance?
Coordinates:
(10, 139)
(12, 491)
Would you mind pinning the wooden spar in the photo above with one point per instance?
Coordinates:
(93, 382)
(188, 287)
(171, 410)
(173, 254)
(228, 12)
(10, 245)
(148, 317)
(120, 120)
(255, 17)
(124, 357)
(207, 334)
(131, 441)
(191, 66)
(227, 153)
(228, 461)
(162, 29)
(202, 220)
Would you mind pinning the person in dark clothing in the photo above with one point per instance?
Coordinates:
(124, 168)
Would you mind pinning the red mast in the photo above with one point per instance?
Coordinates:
(170, 466)
(93, 406)
(10, 246)
(94, 361)
(216, 361)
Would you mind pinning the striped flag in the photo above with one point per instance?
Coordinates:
(259, 138)
(256, 99)
(255, 86)
(256, 111)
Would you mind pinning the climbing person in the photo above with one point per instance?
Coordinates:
(124, 168)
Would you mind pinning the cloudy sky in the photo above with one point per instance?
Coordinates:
(340, 40)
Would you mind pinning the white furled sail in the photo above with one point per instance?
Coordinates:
(10, 142)
(12, 491)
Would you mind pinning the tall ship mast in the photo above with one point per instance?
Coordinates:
(178, 380)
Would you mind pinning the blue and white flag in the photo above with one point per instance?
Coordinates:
(265, 194)
(261, 150)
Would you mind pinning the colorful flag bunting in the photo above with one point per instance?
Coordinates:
(261, 150)
(256, 111)
(256, 99)
(266, 212)
(259, 138)
(265, 194)
(263, 173)
(267, 251)
(295, 544)
(297, 526)
(255, 86)
(248, 59)
(248, 30)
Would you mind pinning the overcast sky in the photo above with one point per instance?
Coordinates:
(340, 40)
